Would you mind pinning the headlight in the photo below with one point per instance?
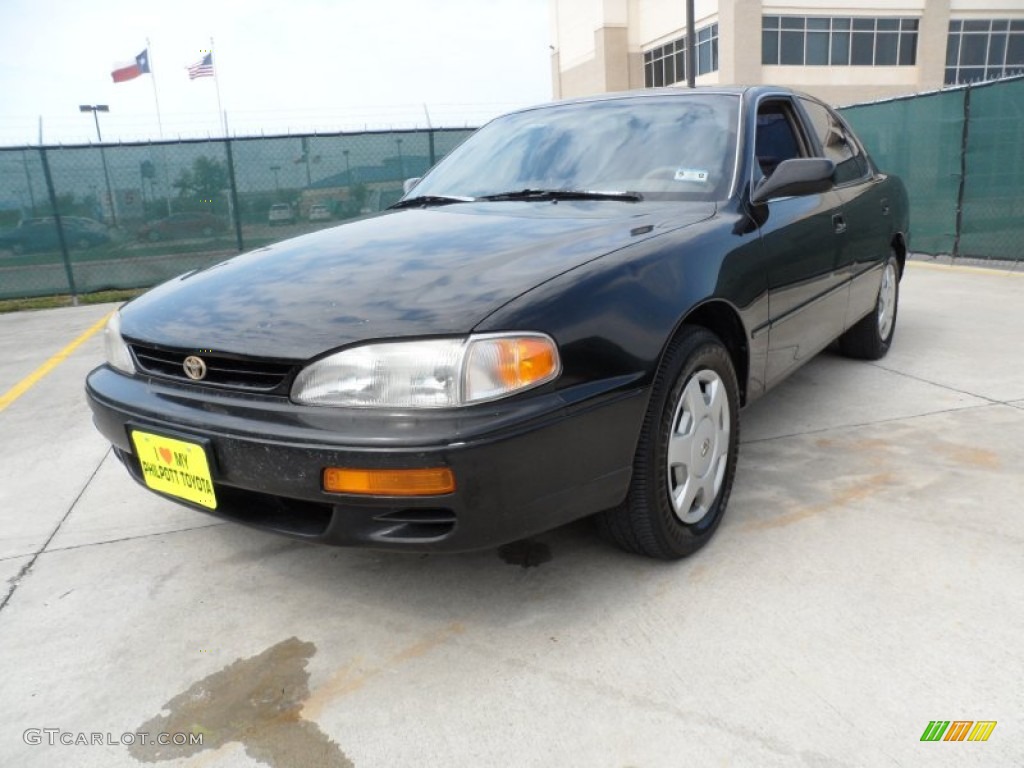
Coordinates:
(435, 373)
(117, 351)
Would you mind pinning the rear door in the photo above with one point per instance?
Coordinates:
(800, 235)
(866, 209)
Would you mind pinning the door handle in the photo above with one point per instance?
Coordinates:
(838, 223)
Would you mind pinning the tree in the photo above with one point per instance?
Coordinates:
(66, 203)
(204, 180)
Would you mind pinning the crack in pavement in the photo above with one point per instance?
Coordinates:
(70, 547)
(869, 423)
(923, 380)
(133, 538)
(25, 569)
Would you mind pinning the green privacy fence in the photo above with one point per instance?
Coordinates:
(961, 154)
(134, 215)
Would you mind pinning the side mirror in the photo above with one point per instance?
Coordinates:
(798, 176)
(408, 184)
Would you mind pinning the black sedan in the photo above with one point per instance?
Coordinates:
(562, 319)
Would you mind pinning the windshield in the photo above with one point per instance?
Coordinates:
(666, 148)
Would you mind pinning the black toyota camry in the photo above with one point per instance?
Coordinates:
(563, 318)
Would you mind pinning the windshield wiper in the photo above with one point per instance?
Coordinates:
(565, 194)
(425, 200)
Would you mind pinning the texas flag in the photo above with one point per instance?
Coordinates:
(140, 66)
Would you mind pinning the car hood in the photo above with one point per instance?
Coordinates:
(412, 272)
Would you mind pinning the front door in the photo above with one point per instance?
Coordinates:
(801, 237)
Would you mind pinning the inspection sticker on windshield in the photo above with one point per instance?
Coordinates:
(691, 174)
(175, 467)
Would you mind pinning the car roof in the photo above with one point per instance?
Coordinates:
(743, 91)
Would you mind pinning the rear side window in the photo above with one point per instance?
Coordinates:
(837, 145)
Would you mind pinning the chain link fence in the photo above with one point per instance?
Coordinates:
(134, 215)
(960, 153)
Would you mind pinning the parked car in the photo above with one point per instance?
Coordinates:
(185, 224)
(280, 213)
(563, 318)
(40, 234)
(319, 213)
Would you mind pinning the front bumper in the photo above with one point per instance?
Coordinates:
(521, 466)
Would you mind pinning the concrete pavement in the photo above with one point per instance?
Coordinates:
(866, 580)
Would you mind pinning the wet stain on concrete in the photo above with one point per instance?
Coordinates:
(969, 455)
(525, 553)
(862, 489)
(355, 675)
(257, 702)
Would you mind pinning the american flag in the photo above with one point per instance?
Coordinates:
(202, 68)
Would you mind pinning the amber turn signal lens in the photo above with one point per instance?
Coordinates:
(434, 481)
(525, 361)
(501, 364)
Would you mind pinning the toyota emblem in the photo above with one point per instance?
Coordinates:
(195, 368)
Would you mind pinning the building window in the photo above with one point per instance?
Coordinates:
(666, 64)
(826, 41)
(984, 49)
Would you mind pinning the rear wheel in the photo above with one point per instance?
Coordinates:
(869, 339)
(686, 456)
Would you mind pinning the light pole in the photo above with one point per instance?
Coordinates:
(277, 184)
(348, 168)
(94, 108)
(401, 162)
(28, 181)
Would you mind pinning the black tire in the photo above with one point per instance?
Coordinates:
(866, 340)
(647, 523)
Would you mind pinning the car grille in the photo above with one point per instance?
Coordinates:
(228, 372)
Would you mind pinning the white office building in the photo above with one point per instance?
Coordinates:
(842, 52)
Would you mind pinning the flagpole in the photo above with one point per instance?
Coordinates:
(216, 82)
(156, 97)
(160, 127)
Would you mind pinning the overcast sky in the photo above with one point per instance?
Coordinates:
(281, 65)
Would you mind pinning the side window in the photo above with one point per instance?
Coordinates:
(777, 137)
(843, 151)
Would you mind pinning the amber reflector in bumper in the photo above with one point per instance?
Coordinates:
(390, 482)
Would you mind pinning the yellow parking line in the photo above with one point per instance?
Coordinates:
(29, 381)
(959, 268)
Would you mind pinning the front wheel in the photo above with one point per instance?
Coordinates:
(686, 456)
(869, 339)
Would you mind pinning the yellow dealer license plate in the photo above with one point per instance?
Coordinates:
(175, 467)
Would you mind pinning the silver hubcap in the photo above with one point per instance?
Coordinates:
(698, 446)
(887, 301)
